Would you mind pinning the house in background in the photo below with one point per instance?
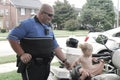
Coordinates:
(14, 11)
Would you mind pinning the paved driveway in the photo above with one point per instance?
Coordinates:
(5, 48)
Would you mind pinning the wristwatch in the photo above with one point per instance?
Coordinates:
(64, 60)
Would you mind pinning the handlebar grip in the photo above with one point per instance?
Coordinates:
(99, 55)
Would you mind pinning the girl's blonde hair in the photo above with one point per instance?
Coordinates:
(86, 46)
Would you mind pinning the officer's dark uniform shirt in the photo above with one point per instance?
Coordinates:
(31, 28)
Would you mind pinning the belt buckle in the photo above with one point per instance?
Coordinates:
(39, 59)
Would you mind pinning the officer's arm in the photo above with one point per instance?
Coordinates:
(59, 54)
(16, 47)
(62, 57)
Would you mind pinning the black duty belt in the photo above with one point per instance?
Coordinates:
(42, 60)
(36, 61)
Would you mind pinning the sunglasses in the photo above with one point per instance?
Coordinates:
(50, 15)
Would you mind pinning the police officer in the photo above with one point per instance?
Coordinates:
(35, 45)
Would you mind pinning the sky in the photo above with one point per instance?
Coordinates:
(78, 3)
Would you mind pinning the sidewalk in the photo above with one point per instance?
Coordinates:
(8, 67)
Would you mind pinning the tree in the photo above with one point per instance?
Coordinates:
(98, 13)
(63, 12)
(71, 25)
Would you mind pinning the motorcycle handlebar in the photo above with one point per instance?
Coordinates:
(99, 55)
(106, 58)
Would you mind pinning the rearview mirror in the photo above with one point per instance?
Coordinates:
(101, 39)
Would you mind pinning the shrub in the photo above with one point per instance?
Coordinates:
(71, 25)
(3, 30)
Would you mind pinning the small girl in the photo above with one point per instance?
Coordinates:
(88, 69)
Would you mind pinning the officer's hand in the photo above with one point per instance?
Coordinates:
(67, 65)
(83, 74)
(25, 58)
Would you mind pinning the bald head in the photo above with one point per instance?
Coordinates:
(45, 14)
(46, 8)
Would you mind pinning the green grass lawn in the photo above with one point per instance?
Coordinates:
(58, 33)
(7, 59)
(62, 33)
(13, 75)
(3, 34)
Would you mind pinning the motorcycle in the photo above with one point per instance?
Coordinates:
(112, 65)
